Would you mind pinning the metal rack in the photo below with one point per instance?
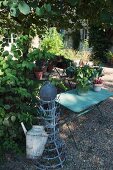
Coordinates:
(53, 155)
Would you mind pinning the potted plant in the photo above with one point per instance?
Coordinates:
(70, 71)
(82, 85)
(38, 70)
(83, 76)
(97, 84)
(41, 59)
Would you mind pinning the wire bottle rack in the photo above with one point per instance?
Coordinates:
(53, 155)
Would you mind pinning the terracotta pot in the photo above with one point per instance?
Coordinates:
(39, 74)
(50, 67)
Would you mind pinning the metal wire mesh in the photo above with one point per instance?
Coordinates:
(53, 155)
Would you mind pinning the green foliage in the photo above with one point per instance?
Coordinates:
(41, 11)
(41, 58)
(16, 94)
(100, 42)
(84, 53)
(70, 71)
(24, 8)
(52, 41)
(109, 57)
(61, 14)
(59, 84)
(69, 54)
(83, 77)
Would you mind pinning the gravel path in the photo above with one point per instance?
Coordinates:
(93, 135)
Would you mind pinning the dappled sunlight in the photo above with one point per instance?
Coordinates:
(67, 128)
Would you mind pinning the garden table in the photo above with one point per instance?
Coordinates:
(81, 104)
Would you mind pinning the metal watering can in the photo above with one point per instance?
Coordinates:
(36, 139)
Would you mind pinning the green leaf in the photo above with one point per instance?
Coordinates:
(1, 73)
(0, 4)
(24, 8)
(5, 66)
(5, 53)
(39, 11)
(74, 2)
(13, 118)
(48, 7)
(6, 122)
(5, 3)
(13, 11)
(7, 107)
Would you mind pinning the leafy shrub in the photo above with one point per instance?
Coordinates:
(16, 94)
(52, 41)
(99, 41)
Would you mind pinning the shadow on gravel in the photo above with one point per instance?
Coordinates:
(89, 142)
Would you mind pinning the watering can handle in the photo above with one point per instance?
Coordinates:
(23, 127)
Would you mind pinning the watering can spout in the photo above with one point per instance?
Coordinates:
(23, 127)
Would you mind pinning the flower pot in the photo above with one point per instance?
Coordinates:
(39, 74)
(50, 67)
(97, 87)
(82, 91)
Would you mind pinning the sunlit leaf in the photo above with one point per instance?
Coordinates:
(13, 118)
(5, 3)
(24, 8)
(13, 11)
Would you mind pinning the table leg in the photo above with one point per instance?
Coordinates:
(102, 118)
(99, 109)
(72, 135)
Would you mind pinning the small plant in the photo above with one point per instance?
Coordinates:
(83, 77)
(97, 84)
(97, 81)
(41, 58)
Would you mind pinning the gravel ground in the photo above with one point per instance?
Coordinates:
(92, 146)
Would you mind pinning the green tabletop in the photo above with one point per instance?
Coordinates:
(77, 103)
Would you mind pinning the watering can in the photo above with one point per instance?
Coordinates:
(36, 139)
